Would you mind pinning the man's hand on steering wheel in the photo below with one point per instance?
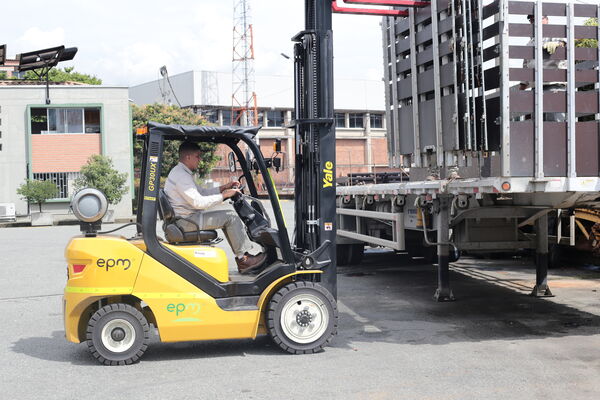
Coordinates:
(231, 193)
(230, 185)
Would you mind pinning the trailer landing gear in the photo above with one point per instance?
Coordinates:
(443, 292)
(541, 288)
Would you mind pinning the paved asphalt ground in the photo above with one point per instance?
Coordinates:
(394, 341)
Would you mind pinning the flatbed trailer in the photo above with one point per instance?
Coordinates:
(493, 166)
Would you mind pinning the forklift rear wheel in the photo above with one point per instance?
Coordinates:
(117, 334)
(302, 317)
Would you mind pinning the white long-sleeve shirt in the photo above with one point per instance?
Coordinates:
(185, 196)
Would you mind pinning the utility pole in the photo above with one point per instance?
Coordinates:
(244, 109)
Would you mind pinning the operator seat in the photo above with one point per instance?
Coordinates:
(174, 232)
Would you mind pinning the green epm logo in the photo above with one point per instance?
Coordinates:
(328, 175)
(187, 311)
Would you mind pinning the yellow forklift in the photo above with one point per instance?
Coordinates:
(117, 287)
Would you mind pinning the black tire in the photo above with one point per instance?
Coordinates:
(555, 255)
(123, 321)
(287, 301)
(357, 251)
(343, 254)
(431, 255)
(349, 253)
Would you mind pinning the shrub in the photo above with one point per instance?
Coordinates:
(100, 174)
(35, 191)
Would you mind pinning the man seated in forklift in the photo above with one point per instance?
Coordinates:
(192, 202)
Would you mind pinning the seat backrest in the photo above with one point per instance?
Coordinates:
(164, 208)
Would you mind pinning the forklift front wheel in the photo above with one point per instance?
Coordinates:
(117, 334)
(302, 317)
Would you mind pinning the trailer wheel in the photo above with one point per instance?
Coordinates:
(555, 253)
(302, 317)
(117, 334)
(349, 253)
(357, 251)
(343, 255)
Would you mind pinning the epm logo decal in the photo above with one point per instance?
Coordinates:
(190, 311)
(110, 263)
(328, 175)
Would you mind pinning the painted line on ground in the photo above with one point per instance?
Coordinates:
(367, 326)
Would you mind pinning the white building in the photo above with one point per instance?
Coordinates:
(40, 141)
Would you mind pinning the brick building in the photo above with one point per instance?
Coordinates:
(361, 144)
(40, 141)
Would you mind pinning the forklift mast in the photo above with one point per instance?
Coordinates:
(315, 136)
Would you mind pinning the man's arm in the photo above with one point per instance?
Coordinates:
(195, 200)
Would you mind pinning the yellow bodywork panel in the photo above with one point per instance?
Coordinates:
(184, 312)
(211, 260)
(99, 267)
(115, 267)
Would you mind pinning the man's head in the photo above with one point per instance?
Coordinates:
(189, 155)
(531, 19)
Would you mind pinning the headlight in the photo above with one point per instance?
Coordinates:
(89, 205)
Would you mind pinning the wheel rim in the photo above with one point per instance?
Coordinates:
(304, 318)
(118, 335)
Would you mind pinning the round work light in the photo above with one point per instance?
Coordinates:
(89, 205)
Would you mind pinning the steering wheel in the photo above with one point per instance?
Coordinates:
(239, 196)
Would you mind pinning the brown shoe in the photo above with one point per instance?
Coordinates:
(250, 263)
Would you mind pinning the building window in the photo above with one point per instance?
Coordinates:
(340, 120)
(64, 181)
(211, 116)
(65, 120)
(377, 121)
(226, 114)
(356, 120)
(275, 117)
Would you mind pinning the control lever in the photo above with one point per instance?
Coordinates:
(318, 259)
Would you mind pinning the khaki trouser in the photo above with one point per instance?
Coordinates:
(229, 222)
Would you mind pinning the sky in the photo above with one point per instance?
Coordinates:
(125, 42)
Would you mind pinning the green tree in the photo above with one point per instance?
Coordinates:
(66, 75)
(593, 43)
(171, 115)
(35, 191)
(3, 75)
(100, 174)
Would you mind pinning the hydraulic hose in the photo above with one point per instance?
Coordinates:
(119, 228)
(425, 231)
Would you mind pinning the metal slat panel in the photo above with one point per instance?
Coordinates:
(585, 10)
(390, 90)
(587, 148)
(505, 99)
(571, 87)
(427, 125)
(439, 138)
(405, 133)
(539, 94)
(521, 148)
(555, 149)
(415, 88)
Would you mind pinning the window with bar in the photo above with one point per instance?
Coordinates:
(377, 121)
(340, 120)
(356, 120)
(64, 181)
(275, 118)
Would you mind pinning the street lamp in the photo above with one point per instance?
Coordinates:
(42, 61)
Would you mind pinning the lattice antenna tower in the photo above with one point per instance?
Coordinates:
(244, 109)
